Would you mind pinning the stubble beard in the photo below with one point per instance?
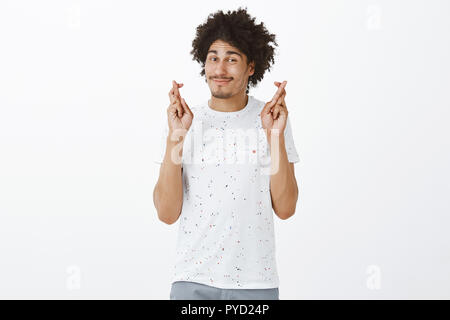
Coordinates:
(221, 95)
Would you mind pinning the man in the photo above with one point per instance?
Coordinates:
(226, 245)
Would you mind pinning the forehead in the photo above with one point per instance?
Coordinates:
(223, 47)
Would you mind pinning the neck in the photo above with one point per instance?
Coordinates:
(231, 104)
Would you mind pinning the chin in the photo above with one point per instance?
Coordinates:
(221, 95)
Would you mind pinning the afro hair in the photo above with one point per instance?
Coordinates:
(238, 29)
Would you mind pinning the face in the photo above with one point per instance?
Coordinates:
(228, 64)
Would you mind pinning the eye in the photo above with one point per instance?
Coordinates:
(230, 59)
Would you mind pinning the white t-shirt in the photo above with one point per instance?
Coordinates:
(226, 232)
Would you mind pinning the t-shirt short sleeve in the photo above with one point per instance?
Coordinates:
(291, 151)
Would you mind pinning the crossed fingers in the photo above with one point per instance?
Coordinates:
(280, 103)
(277, 103)
(175, 97)
(281, 92)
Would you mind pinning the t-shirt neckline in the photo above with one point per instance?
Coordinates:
(231, 113)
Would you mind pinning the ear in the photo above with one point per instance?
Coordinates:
(252, 68)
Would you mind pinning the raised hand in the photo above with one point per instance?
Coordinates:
(274, 114)
(179, 116)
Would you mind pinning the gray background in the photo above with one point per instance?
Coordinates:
(83, 98)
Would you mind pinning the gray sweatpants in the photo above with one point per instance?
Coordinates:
(187, 290)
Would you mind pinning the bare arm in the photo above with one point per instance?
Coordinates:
(283, 185)
(168, 192)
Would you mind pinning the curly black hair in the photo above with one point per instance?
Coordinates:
(239, 30)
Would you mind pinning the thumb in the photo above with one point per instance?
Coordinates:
(267, 108)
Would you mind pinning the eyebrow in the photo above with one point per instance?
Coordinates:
(228, 52)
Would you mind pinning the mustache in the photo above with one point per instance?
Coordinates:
(221, 78)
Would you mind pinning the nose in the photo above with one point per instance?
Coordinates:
(220, 70)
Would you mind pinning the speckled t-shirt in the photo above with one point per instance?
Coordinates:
(226, 231)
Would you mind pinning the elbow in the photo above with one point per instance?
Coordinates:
(165, 214)
(287, 211)
(166, 220)
(286, 214)
(168, 215)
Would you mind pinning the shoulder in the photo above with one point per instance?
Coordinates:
(258, 104)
